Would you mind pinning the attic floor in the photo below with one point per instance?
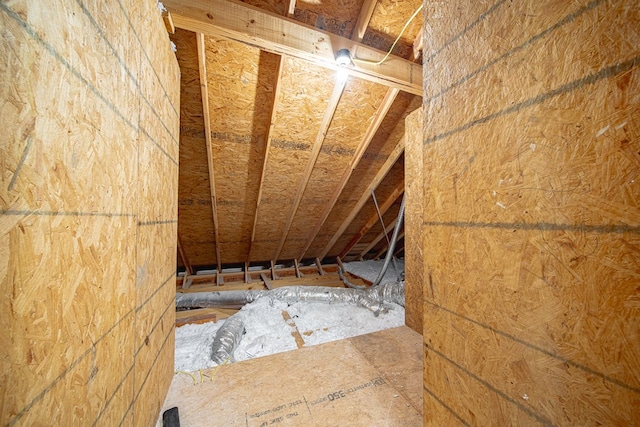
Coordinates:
(369, 380)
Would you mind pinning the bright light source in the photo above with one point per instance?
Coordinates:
(342, 74)
(343, 57)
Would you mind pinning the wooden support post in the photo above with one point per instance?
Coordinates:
(202, 66)
(295, 263)
(183, 256)
(219, 278)
(266, 281)
(247, 276)
(319, 266)
(274, 276)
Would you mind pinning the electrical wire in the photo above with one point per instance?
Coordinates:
(394, 43)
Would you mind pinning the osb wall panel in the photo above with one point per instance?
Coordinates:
(90, 134)
(241, 84)
(358, 104)
(531, 209)
(414, 204)
(195, 219)
(302, 103)
(389, 134)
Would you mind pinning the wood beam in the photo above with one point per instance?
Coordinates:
(373, 219)
(297, 267)
(266, 281)
(417, 45)
(315, 151)
(274, 276)
(268, 31)
(386, 167)
(247, 276)
(274, 105)
(378, 238)
(183, 256)
(289, 8)
(384, 249)
(363, 19)
(202, 66)
(360, 150)
(319, 266)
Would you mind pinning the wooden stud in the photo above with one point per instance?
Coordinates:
(266, 281)
(362, 147)
(273, 33)
(289, 8)
(168, 22)
(247, 276)
(391, 160)
(319, 266)
(363, 20)
(297, 267)
(417, 45)
(219, 278)
(397, 192)
(315, 151)
(202, 66)
(183, 256)
(274, 276)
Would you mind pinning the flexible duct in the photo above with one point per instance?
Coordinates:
(227, 339)
(229, 335)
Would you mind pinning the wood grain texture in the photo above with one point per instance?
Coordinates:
(531, 213)
(88, 210)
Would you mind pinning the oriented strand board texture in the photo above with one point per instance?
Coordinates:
(389, 133)
(359, 102)
(88, 197)
(195, 219)
(302, 103)
(413, 219)
(532, 213)
(388, 19)
(333, 16)
(241, 82)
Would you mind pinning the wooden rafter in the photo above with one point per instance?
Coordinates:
(362, 147)
(386, 167)
(289, 8)
(315, 151)
(274, 105)
(386, 246)
(373, 219)
(202, 66)
(268, 31)
(363, 19)
(183, 256)
(379, 237)
(319, 267)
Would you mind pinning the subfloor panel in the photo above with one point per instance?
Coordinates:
(368, 380)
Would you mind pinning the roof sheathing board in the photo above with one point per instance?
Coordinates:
(275, 6)
(386, 187)
(359, 102)
(334, 16)
(195, 219)
(389, 134)
(241, 86)
(304, 97)
(388, 19)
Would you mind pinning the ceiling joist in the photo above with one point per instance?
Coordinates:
(202, 66)
(386, 167)
(240, 22)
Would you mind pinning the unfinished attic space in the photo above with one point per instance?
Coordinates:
(313, 213)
